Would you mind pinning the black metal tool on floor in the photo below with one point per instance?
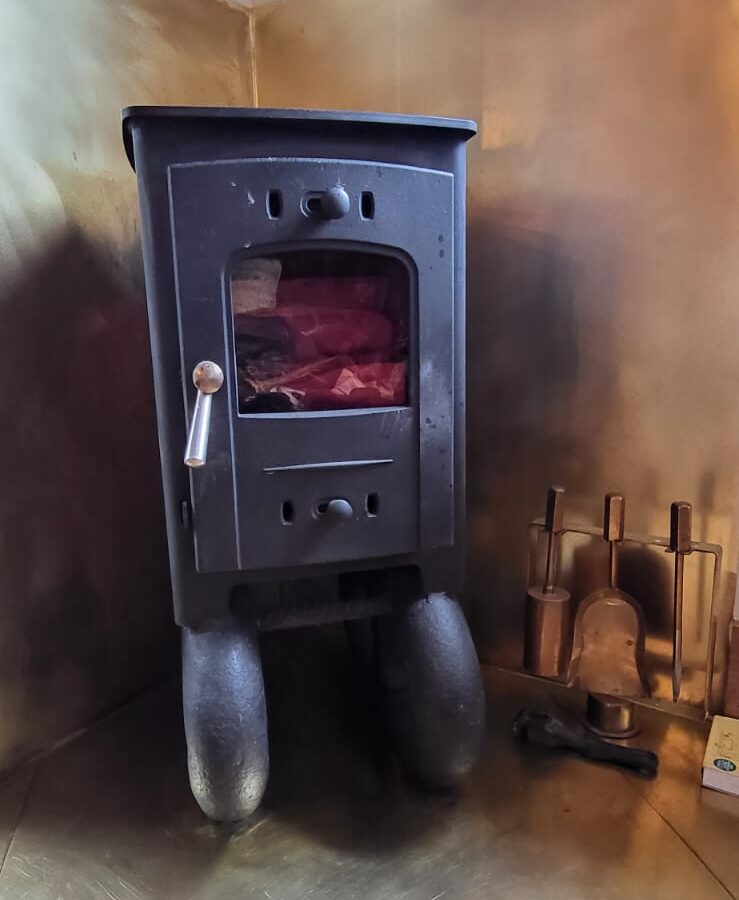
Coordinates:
(550, 731)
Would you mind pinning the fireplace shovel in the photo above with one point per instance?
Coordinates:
(608, 643)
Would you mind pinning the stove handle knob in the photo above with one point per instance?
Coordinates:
(339, 510)
(208, 378)
(335, 203)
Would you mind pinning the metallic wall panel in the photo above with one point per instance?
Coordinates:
(603, 223)
(85, 616)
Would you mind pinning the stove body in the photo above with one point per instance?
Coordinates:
(305, 291)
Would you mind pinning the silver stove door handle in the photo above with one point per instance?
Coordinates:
(207, 377)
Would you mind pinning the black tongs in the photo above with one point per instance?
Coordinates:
(543, 728)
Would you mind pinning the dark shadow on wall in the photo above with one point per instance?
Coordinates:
(83, 568)
(525, 423)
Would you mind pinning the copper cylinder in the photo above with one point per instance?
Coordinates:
(547, 639)
(611, 717)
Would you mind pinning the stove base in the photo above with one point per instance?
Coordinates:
(428, 675)
(225, 720)
(430, 679)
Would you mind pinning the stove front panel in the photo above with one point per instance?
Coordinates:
(332, 437)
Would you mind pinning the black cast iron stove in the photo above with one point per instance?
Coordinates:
(305, 286)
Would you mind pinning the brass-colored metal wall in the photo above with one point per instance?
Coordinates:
(85, 614)
(603, 225)
(603, 266)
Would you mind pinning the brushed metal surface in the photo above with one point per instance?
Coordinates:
(85, 618)
(602, 268)
(110, 816)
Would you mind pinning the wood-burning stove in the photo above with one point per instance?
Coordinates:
(305, 288)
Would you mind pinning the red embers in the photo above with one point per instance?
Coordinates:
(327, 344)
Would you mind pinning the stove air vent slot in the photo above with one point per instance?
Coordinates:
(288, 512)
(274, 204)
(367, 205)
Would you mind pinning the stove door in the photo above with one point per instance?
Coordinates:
(331, 438)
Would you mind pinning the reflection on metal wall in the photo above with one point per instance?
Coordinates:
(603, 226)
(84, 596)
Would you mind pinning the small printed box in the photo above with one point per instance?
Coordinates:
(721, 762)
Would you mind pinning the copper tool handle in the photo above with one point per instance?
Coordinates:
(681, 515)
(553, 525)
(614, 514)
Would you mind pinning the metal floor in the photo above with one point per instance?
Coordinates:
(109, 816)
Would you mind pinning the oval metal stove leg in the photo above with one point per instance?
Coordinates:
(225, 721)
(434, 696)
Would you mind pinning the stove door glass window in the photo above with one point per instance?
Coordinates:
(320, 330)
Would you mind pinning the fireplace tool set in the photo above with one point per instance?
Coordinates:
(602, 652)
